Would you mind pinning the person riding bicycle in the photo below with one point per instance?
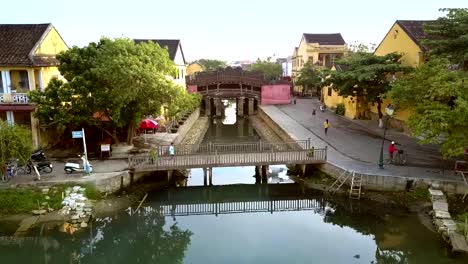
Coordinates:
(392, 149)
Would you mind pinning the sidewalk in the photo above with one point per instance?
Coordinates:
(58, 174)
(361, 139)
(350, 146)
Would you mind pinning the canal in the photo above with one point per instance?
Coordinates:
(237, 221)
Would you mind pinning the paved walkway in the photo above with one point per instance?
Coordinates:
(100, 168)
(351, 146)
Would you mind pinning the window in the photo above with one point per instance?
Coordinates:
(330, 91)
(24, 81)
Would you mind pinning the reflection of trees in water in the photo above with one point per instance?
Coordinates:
(140, 238)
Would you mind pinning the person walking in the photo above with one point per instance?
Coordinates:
(326, 125)
(171, 150)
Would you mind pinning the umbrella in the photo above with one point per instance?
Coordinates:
(148, 124)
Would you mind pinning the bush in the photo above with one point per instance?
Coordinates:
(340, 109)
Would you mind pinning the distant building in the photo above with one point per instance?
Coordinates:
(193, 68)
(286, 64)
(320, 49)
(27, 62)
(176, 54)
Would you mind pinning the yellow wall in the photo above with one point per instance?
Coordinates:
(194, 68)
(334, 100)
(52, 44)
(48, 73)
(398, 41)
(400, 114)
(401, 43)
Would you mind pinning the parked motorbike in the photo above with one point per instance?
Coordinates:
(71, 167)
(39, 160)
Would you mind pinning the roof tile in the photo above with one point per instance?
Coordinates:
(17, 42)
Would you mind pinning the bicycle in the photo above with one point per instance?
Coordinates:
(10, 171)
(399, 158)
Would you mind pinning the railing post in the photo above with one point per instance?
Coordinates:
(308, 143)
(326, 150)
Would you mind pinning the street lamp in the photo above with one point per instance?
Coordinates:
(389, 111)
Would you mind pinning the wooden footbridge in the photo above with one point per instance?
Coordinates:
(228, 155)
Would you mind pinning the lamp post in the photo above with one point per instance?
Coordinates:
(389, 111)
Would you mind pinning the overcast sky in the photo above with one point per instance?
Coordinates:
(217, 29)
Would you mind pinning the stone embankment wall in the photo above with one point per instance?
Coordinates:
(183, 129)
(197, 132)
(280, 133)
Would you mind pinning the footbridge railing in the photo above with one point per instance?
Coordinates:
(223, 155)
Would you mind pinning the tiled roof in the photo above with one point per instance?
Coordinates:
(414, 29)
(325, 39)
(170, 44)
(17, 42)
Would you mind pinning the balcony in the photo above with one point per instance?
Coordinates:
(14, 98)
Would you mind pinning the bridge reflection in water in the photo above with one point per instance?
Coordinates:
(234, 199)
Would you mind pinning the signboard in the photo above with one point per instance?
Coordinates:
(77, 134)
(105, 147)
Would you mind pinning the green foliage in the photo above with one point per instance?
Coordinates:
(419, 194)
(15, 143)
(116, 78)
(14, 201)
(19, 200)
(212, 65)
(438, 99)
(183, 102)
(365, 75)
(310, 76)
(271, 71)
(447, 37)
(340, 109)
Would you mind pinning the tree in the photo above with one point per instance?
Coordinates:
(15, 143)
(310, 76)
(438, 99)
(117, 79)
(366, 76)
(447, 37)
(272, 71)
(212, 65)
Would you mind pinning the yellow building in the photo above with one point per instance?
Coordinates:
(27, 62)
(193, 68)
(320, 49)
(331, 98)
(404, 37)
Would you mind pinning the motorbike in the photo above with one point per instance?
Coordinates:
(71, 167)
(39, 160)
